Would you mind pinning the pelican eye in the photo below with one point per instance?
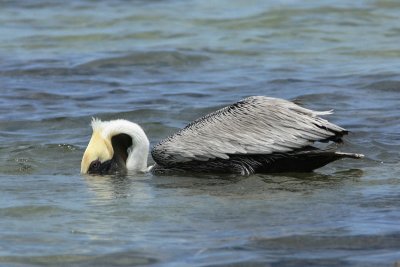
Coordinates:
(94, 166)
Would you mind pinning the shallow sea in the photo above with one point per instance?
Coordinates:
(163, 64)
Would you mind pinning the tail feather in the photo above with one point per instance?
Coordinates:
(349, 155)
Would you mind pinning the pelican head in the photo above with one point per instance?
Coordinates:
(115, 146)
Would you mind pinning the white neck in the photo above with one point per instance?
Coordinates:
(139, 151)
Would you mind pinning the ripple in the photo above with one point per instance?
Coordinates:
(386, 86)
(28, 211)
(41, 96)
(128, 258)
(40, 71)
(306, 243)
(154, 58)
(190, 95)
(45, 159)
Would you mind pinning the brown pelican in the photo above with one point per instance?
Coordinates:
(255, 135)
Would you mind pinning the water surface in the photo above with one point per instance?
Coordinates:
(163, 64)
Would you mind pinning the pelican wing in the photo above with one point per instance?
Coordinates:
(254, 125)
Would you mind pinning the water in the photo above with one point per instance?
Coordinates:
(163, 64)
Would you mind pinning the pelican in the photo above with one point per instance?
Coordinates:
(255, 135)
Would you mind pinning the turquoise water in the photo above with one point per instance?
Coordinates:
(163, 64)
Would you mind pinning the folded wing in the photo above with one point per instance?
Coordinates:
(253, 126)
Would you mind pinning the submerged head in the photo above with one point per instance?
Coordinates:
(115, 146)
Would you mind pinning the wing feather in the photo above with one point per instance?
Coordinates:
(254, 125)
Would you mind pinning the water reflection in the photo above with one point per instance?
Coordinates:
(110, 187)
(259, 185)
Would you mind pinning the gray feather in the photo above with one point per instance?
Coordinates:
(256, 125)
